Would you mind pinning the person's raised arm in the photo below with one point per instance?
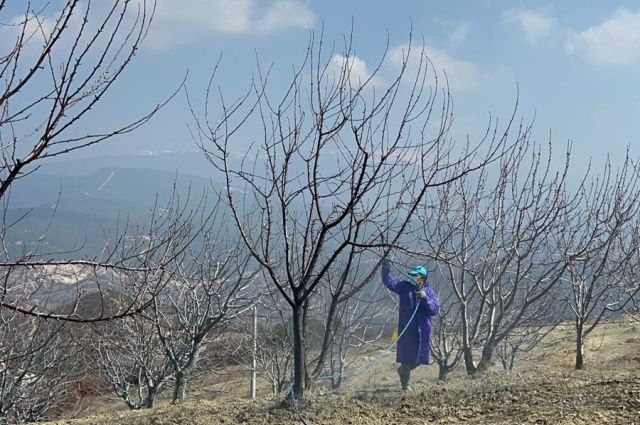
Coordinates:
(387, 280)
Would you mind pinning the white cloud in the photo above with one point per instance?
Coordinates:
(459, 34)
(177, 23)
(536, 24)
(230, 16)
(286, 14)
(353, 65)
(37, 30)
(616, 41)
(461, 73)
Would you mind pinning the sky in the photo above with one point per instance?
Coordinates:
(572, 65)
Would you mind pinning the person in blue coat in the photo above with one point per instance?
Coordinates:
(414, 344)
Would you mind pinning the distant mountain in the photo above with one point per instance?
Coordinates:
(76, 211)
(50, 287)
(90, 196)
(193, 163)
(108, 189)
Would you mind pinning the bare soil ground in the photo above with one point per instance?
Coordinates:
(542, 390)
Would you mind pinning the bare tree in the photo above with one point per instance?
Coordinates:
(530, 333)
(33, 354)
(209, 285)
(602, 241)
(56, 66)
(132, 361)
(360, 324)
(340, 162)
(497, 244)
(274, 353)
(175, 249)
(446, 336)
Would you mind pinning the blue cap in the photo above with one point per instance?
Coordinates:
(419, 271)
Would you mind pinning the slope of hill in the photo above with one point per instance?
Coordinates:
(542, 399)
(542, 390)
(122, 187)
(77, 211)
(192, 162)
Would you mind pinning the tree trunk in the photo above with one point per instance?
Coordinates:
(467, 350)
(487, 356)
(512, 361)
(180, 388)
(182, 377)
(254, 355)
(505, 362)
(338, 377)
(468, 360)
(336, 382)
(327, 338)
(151, 398)
(299, 372)
(579, 345)
(443, 371)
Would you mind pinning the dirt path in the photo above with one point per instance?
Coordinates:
(544, 390)
(498, 398)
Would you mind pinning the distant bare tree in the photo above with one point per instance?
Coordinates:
(342, 160)
(209, 285)
(359, 327)
(192, 286)
(496, 243)
(446, 336)
(133, 361)
(349, 301)
(274, 354)
(633, 307)
(33, 354)
(175, 241)
(57, 63)
(530, 333)
(602, 241)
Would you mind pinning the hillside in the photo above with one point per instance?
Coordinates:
(543, 390)
(76, 211)
(172, 162)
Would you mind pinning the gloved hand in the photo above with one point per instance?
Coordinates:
(421, 294)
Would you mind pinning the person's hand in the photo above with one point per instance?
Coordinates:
(383, 241)
(421, 294)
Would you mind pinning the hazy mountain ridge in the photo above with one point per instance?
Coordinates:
(173, 162)
(76, 211)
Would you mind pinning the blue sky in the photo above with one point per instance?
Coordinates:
(575, 62)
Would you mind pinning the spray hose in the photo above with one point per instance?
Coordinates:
(384, 352)
(377, 359)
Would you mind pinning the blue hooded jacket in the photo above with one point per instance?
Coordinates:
(414, 344)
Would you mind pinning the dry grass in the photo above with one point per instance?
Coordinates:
(542, 390)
